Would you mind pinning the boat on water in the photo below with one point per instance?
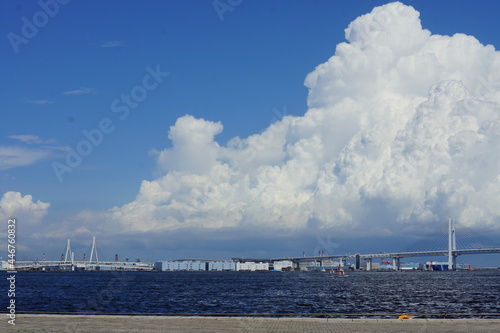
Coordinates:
(339, 272)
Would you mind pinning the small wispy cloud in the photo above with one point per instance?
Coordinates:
(13, 157)
(31, 139)
(80, 91)
(113, 43)
(39, 101)
(7, 177)
(60, 148)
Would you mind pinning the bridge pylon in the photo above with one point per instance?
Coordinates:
(67, 256)
(452, 245)
(94, 250)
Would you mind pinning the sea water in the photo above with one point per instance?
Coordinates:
(277, 293)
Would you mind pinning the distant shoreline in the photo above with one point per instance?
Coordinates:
(232, 272)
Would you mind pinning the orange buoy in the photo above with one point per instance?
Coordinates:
(404, 316)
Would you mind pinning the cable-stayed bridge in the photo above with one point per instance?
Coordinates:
(438, 243)
(68, 263)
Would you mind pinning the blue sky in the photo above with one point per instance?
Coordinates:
(234, 67)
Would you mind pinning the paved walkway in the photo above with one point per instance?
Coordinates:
(109, 324)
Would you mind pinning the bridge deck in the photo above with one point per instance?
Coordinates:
(377, 255)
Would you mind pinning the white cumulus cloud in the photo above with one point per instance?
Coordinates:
(14, 204)
(402, 131)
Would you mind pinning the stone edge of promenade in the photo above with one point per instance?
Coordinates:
(232, 318)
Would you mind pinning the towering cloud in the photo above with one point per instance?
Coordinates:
(402, 130)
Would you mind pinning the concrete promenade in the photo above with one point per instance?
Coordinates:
(109, 324)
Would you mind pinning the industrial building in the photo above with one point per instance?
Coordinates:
(410, 266)
(211, 265)
(322, 266)
(283, 265)
(444, 266)
(305, 264)
(222, 265)
(251, 266)
(181, 265)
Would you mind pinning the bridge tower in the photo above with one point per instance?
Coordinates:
(396, 263)
(94, 249)
(452, 245)
(67, 256)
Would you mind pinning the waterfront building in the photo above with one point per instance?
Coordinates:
(222, 265)
(386, 266)
(283, 265)
(305, 264)
(405, 266)
(181, 265)
(252, 266)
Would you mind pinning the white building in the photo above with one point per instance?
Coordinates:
(261, 266)
(303, 265)
(283, 265)
(181, 265)
(410, 266)
(252, 266)
(222, 265)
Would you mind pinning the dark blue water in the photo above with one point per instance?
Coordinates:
(267, 293)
